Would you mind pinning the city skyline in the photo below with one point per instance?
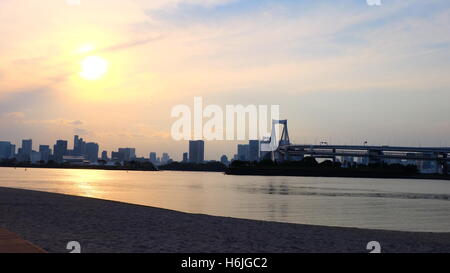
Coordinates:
(89, 150)
(247, 150)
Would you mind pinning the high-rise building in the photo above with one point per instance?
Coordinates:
(92, 152)
(45, 152)
(152, 157)
(60, 150)
(76, 138)
(105, 155)
(116, 156)
(124, 154)
(35, 157)
(13, 150)
(243, 150)
(185, 157)
(196, 151)
(25, 152)
(165, 158)
(5, 150)
(79, 147)
(253, 150)
(129, 153)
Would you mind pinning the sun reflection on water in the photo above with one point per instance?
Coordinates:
(85, 182)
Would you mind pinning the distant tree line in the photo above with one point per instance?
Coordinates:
(312, 163)
(128, 165)
(213, 166)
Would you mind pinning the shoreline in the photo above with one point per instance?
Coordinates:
(101, 168)
(244, 172)
(51, 220)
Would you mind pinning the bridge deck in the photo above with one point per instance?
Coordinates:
(374, 148)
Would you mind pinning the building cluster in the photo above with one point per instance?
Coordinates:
(158, 161)
(83, 152)
(248, 152)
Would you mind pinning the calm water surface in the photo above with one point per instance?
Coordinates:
(396, 204)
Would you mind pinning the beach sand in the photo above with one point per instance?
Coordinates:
(51, 220)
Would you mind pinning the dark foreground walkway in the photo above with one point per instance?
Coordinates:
(12, 243)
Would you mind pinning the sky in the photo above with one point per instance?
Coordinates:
(341, 71)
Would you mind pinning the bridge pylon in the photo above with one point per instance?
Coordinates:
(272, 145)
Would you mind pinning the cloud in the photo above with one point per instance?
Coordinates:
(55, 122)
(131, 44)
(14, 115)
(76, 122)
(81, 132)
(170, 4)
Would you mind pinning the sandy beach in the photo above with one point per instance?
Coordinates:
(51, 220)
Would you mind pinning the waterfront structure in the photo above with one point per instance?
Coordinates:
(75, 160)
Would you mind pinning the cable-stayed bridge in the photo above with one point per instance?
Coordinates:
(282, 149)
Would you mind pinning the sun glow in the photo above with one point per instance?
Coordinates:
(93, 67)
(86, 48)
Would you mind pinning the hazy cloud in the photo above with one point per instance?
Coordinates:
(131, 44)
(14, 115)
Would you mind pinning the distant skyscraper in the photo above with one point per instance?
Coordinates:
(116, 156)
(27, 148)
(13, 151)
(35, 157)
(60, 150)
(75, 142)
(165, 158)
(125, 154)
(253, 150)
(243, 150)
(185, 157)
(5, 150)
(92, 152)
(152, 157)
(45, 152)
(79, 147)
(105, 155)
(196, 151)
